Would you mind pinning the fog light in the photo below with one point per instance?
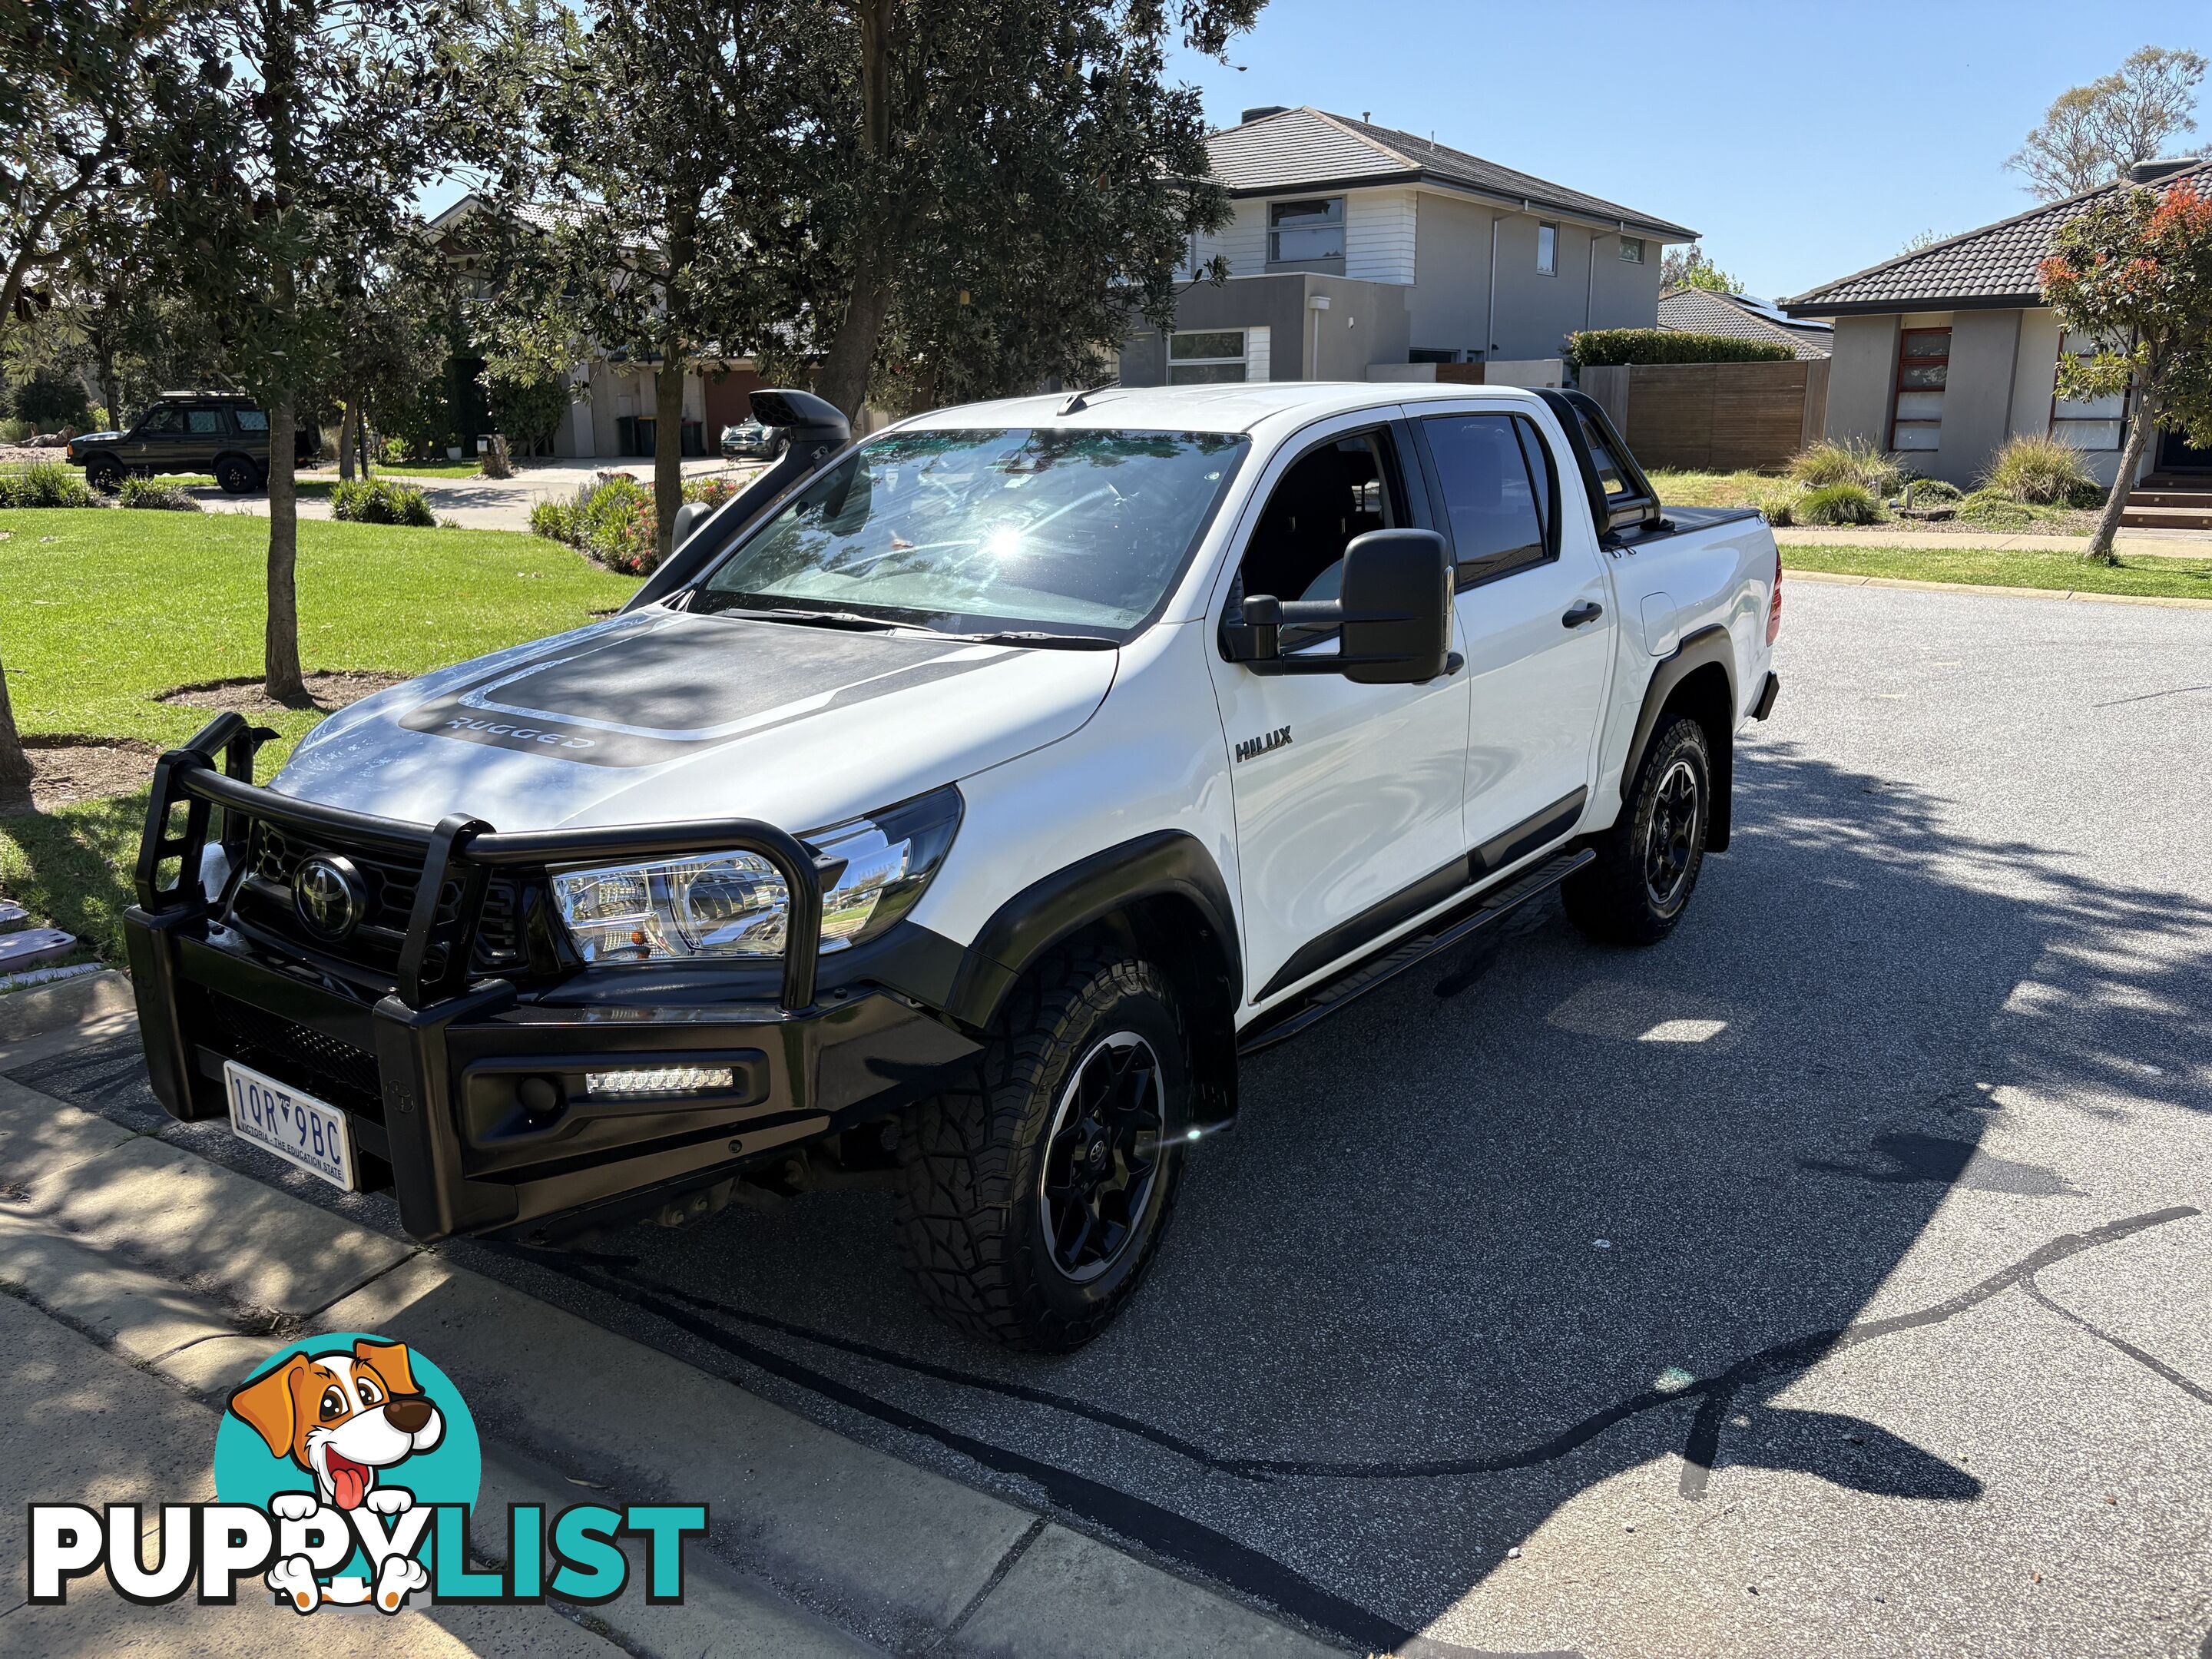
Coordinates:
(661, 1080)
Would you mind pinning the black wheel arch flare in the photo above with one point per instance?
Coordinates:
(1699, 680)
(1164, 895)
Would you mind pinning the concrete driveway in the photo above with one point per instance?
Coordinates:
(1832, 1279)
(484, 504)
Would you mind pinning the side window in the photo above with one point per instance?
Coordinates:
(163, 420)
(1344, 488)
(249, 420)
(203, 422)
(1610, 478)
(1499, 506)
(1544, 478)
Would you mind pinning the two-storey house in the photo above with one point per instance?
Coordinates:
(1354, 245)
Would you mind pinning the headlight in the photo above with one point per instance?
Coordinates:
(733, 906)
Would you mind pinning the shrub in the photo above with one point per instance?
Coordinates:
(1934, 492)
(610, 520)
(1993, 509)
(99, 419)
(554, 520)
(1603, 348)
(2087, 494)
(392, 452)
(13, 431)
(379, 500)
(2039, 471)
(1839, 503)
(160, 497)
(713, 491)
(53, 397)
(44, 484)
(1780, 501)
(1856, 461)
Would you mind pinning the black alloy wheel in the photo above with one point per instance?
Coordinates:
(1102, 1155)
(1670, 845)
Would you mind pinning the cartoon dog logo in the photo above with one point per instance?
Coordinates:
(345, 1416)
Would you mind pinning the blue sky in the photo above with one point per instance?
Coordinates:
(1805, 140)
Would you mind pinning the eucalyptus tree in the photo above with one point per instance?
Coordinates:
(998, 185)
(312, 124)
(666, 192)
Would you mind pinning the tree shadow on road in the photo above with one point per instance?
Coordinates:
(1540, 1216)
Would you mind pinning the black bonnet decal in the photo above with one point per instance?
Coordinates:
(669, 687)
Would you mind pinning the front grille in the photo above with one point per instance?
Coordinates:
(327, 1068)
(274, 854)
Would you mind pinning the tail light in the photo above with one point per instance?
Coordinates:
(1774, 605)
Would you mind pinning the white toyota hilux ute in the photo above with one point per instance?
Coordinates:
(952, 811)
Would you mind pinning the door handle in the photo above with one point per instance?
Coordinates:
(1588, 611)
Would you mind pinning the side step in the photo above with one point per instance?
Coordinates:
(1450, 928)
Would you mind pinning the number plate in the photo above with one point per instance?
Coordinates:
(299, 1128)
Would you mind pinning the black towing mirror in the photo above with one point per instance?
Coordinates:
(1393, 619)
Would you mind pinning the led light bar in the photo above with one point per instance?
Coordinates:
(661, 1080)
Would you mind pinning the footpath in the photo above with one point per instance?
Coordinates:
(144, 1283)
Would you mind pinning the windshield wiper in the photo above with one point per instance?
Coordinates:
(1051, 641)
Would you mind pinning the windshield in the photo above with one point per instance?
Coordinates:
(968, 531)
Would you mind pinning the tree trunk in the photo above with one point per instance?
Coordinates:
(111, 386)
(843, 377)
(279, 648)
(667, 446)
(349, 423)
(14, 764)
(2108, 521)
(281, 675)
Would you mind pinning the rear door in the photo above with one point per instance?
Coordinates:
(1348, 797)
(206, 432)
(1534, 612)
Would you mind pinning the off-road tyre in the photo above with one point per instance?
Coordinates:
(104, 474)
(237, 476)
(973, 1219)
(1648, 862)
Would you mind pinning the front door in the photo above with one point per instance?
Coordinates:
(2177, 454)
(1535, 612)
(154, 443)
(1348, 797)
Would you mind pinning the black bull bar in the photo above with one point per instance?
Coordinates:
(440, 1030)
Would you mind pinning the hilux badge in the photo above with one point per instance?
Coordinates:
(329, 896)
(1260, 745)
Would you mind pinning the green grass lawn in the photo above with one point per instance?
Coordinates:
(411, 469)
(2185, 578)
(102, 612)
(1687, 489)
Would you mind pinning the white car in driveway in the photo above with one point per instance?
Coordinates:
(952, 810)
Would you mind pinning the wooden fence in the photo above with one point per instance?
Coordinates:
(1713, 417)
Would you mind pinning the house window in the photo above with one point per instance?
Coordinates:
(1207, 355)
(1632, 250)
(1300, 233)
(2098, 423)
(1923, 364)
(1548, 250)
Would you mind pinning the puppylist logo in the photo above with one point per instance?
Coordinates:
(346, 1470)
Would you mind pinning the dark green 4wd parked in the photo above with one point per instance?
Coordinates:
(217, 432)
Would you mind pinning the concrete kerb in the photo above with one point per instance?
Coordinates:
(1844, 578)
(101, 1225)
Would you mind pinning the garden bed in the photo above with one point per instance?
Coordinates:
(327, 692)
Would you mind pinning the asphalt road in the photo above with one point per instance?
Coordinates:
(1829, 1279)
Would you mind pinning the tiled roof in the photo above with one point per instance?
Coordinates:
(1701, 311)
(1994, 265)
(1299, 149)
